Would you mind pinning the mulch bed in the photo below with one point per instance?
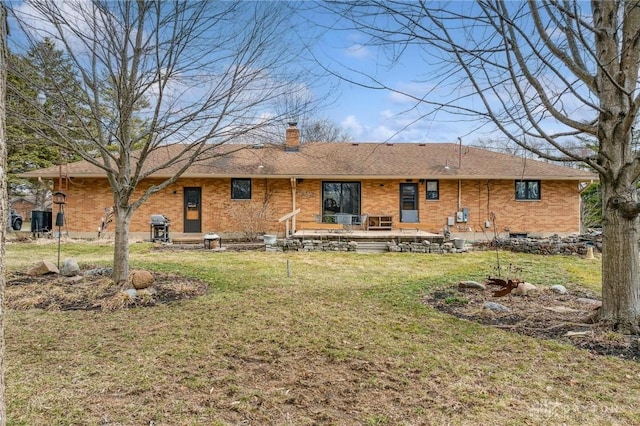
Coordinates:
(94, 292)
(541, 314)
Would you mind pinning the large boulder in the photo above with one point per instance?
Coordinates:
(559, 289)
(523, 289)
(42, 268)
(69, 268)
(140, 279)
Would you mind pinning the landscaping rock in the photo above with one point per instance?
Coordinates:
(74, 280)
(472, 284)
(561, 309)
(523, 289)
(69, 268)
(99, 271)
(140, 279)
(42, 268)
(559, 289)
(496, 307)
(595, 303)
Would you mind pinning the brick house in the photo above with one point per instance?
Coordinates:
(23, 206)
(375, 186)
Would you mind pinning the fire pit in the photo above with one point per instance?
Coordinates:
(212, 241)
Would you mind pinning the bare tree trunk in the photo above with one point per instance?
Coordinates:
(620, 286)
(584, 54)
(4, 202)
(122, 217)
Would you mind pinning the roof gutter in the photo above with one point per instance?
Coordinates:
(594, 178)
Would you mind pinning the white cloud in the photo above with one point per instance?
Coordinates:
(75, 13)
(352, 126)
(358, 51)
(386, 114)
(399, 98)
(381, 133)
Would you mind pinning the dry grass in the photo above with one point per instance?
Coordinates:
(344, 340)
(94, 292)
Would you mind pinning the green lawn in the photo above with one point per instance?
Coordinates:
(343, 340)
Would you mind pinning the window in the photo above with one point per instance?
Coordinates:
(432, 190)
(240, 189)
(340, 197)
(528, 190)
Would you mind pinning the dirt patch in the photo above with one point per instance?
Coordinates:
(95, 291)
(541, 314)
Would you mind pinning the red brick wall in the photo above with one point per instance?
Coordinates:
(23, 207)
(558, 211)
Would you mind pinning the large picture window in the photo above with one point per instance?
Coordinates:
(240, 189)
(527, 190)
(340, 197)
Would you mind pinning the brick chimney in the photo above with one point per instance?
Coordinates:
(292, 139)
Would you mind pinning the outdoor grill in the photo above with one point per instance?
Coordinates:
(159, 228)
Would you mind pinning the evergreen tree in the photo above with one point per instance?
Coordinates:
(27, 149)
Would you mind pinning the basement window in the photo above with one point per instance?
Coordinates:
(240, 189)
(527, 190)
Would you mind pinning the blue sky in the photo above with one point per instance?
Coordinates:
(370, 115)
(376, 115)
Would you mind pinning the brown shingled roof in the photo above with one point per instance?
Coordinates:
(353, 161)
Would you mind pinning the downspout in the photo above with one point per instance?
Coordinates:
(293, 205)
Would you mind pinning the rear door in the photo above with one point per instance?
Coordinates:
(409, 202)
(192, 210)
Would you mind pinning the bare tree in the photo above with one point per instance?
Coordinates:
(540, 72)
(153, 74)
(4, 202)
(323, 130)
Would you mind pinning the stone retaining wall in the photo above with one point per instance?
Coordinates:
(313, 245)
(424, 247)
(574, 245)
(352, 246)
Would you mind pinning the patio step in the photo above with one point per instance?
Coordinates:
(372, 247)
